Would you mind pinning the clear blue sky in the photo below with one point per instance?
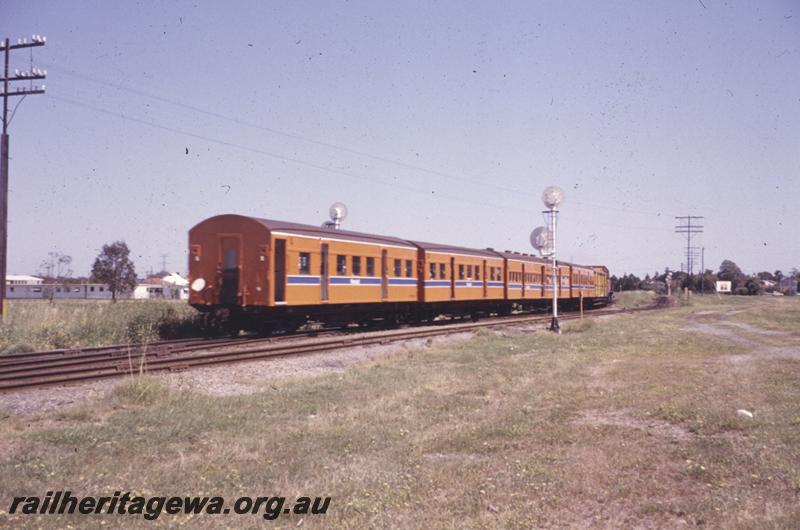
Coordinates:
(440, 121)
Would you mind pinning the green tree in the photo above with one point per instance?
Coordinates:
(114, 267)
(730, 272)
(753, 286)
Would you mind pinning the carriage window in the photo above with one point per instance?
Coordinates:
(469, 272)
(478, 272)
(442, 274)
(304, 264)
(397, 267)
(356, 265)
(432, 274)
(229, 258)
(370, 266)
(460, 272)
(409, 269)
(341, 264)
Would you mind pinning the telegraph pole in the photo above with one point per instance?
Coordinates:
(703, 270)
(30, 76)
(686, 227)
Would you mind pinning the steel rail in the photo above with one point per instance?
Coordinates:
(86, 369)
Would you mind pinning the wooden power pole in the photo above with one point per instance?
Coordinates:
(30, 76)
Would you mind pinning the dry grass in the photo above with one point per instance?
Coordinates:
(630, 422)
(634, 298)
(140, 390)
(37, 325)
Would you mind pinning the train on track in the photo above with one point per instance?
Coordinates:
(265, 275)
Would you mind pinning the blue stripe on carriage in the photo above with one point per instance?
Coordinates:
(402, 281)
(437, 283)
(496, 284)
(347, 280)
(528, 287)
(303, 280)
(469, 284)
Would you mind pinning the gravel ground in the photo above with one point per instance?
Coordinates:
(223, 380)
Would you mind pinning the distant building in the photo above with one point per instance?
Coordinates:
(176, 279)
(148, 291)
(788, 286)
(23, 279)
(56, 291)
(170, 287)
(768, 284)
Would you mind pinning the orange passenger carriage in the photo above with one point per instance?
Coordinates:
(582, 281)
(525, 276)
(290, 271)
(601, 292)
(459, 274)
(265, 274)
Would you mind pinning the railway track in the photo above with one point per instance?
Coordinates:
(26, 370)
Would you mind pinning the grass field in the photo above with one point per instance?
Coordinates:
(37, 325)
(627, 422)
(633, 298)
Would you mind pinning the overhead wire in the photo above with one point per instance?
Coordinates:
(295, 136)
(277, 156)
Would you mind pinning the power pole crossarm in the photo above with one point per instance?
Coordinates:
(685, 226)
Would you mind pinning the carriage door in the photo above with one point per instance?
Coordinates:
(483, 277)
(384, 275)
(323, 272)
(229, 290)
(280, 270)
(452, 278)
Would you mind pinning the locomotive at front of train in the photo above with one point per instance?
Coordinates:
(229, 272)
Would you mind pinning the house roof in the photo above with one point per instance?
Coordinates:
(23, 277)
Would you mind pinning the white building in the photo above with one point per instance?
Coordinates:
(170, 287)
(23, 279)
(176, 279)
(148, 291)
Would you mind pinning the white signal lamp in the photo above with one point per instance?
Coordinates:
(553, 197)
(338, 213)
